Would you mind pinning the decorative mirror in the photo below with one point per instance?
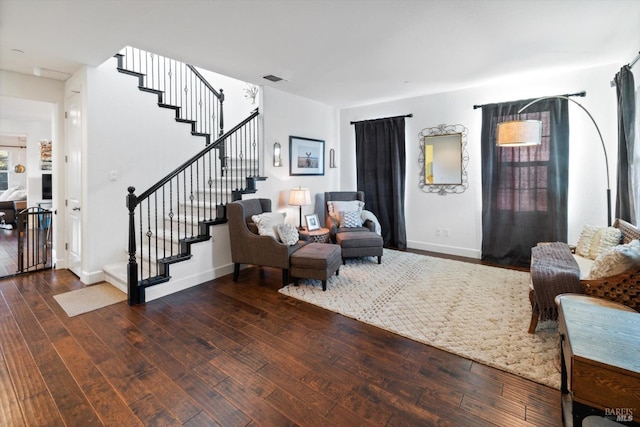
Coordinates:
(443, 159)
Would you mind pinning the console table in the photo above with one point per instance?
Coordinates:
(600, 358)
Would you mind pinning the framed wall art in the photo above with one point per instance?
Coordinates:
(45, 155)
(306, 156)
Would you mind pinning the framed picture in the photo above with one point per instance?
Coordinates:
(312, 222)
(306, 156)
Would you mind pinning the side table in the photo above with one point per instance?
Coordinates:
(599, 359)
(320, 235)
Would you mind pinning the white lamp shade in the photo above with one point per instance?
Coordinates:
(300, 197)
(519, 133)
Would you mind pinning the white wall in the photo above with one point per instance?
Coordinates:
(461, 213)
(236, 106)
(289, 115)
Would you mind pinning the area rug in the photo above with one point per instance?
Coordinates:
(479, 312)
(90, 298)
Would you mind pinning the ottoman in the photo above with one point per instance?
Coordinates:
(355, 244)
(315, 261)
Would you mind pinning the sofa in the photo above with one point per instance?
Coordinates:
(605, 263)
(12, 201)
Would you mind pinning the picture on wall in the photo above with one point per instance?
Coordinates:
(306, 156)
(45, 155)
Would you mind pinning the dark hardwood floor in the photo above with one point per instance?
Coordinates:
(236, 354)
(8, 252)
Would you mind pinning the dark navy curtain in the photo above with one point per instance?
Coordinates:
(625, 89)
(524, 190)
(381, 167)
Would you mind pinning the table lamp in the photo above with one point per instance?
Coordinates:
(300, 197)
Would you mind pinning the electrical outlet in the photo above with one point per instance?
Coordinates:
(446, 232)
(438, 231)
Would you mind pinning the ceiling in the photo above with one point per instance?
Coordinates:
(338, 52)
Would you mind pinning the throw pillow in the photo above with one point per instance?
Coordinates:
(288, 234)
(586, 238)
(267, 223)
(616, 260)
(604, 239)
(337, 206)
(350, 219)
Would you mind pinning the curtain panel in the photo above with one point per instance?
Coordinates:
(524, 190)
(626, 199)
(381, 169)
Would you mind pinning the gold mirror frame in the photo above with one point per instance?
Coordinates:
(443, 188)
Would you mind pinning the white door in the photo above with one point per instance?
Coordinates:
(73, 180)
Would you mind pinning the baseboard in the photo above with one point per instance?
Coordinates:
(92, 278)
(177, 285)
(444, 249)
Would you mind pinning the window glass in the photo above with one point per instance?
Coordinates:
(4, 170)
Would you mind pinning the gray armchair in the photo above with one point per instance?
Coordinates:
(248, 247)
(331, 223)
(355, 242)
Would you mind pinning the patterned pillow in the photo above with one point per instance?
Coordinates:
(267, 223)
(616, 260)
(288, 234)
(605, 238)
(586, 238)
(335, 207)
(350, 219)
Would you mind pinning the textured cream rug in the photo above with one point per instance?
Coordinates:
(90, 298)
(476, 311)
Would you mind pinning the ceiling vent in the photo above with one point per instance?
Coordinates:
(272, 78)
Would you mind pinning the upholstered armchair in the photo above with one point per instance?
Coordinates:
(343, 196)
(357, 232)
(248, 247)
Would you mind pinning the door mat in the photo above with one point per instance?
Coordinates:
(90, 298)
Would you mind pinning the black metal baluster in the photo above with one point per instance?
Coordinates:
(171, 216)
(198, 192)
(178, 204)
(149, 234)
(204, 190)
(184, 183)
(164, 229)
(141, 275)
(191, 196)
(212, 202)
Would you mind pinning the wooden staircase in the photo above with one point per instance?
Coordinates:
(168, 219)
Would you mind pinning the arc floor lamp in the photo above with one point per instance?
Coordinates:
(520, 133)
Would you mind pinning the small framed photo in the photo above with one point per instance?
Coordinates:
(312, 222)
(306, 156)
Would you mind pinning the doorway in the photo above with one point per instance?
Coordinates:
(25, 123)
